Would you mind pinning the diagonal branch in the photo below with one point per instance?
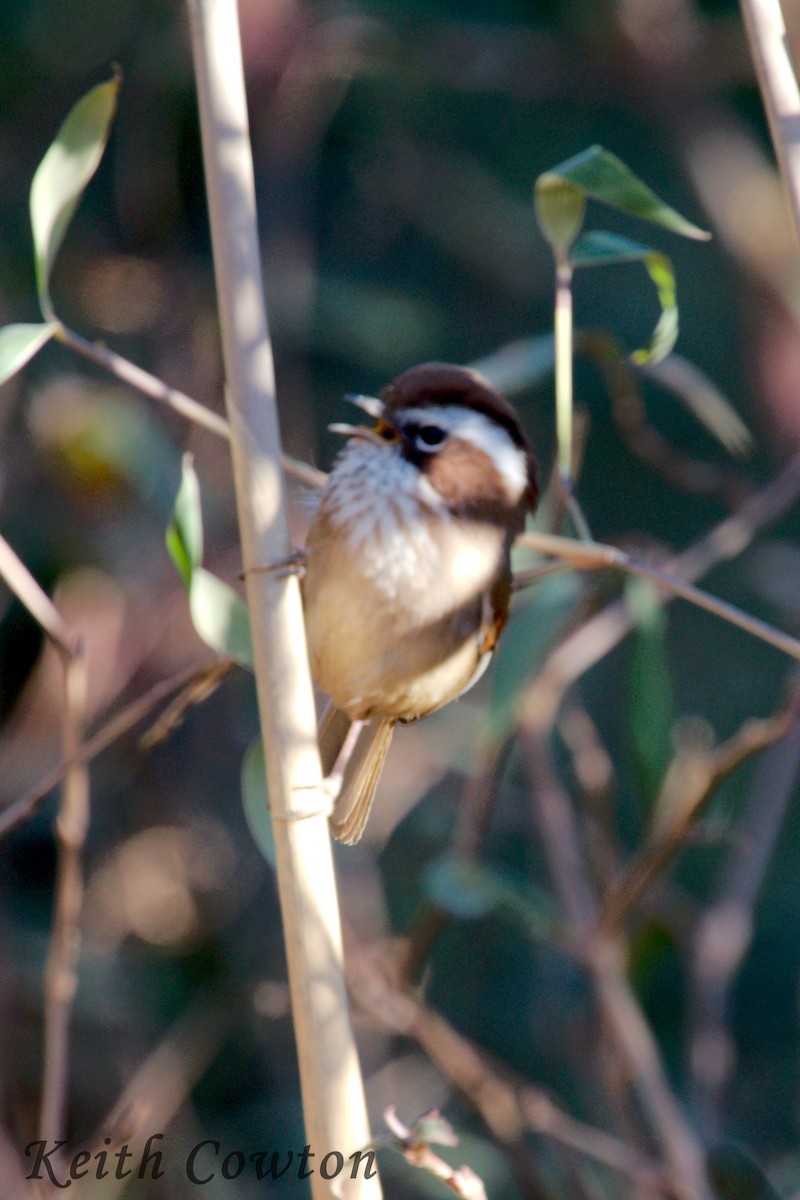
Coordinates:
(687, 789)
(21, 810)
(136, 377)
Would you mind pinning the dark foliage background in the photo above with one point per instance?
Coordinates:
(396, 147)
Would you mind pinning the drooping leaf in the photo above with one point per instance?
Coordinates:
(602, 249)
(704, 399)
(604, 177)
(185, 530)
(219, 615)
(255, 799)
(62, 175)
(19, 343)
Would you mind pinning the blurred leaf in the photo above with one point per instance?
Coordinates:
(185, 530)
(650, 700)
(539, 616)
(255, 799)
(62, 175)
(102, 437)
(703, 398)
(468, 891)
(518, 365)
(220, 617)
(601, 249)
(736, 1176)
(219, 614)
(19, 343)
(604, 177)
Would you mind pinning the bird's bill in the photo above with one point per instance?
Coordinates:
(368, 404)
(362, 432)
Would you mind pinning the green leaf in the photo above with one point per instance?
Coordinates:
(255, 799)
(650, 700)
(62, 175)
(219, 614)
(185, 530)
(604, 177)
(468, 891)
(19, 343)
(601, 249)
(220, 617)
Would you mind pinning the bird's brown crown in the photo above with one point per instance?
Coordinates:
(443, 384)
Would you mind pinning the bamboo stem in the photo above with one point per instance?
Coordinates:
(767, 35)
(563, 356)
(332, 1090)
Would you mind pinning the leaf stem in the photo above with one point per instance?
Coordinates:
(563, 356)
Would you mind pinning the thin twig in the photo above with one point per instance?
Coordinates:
(330, 1078)
(603, 959)
(26, 806)
(724, 932)
(161, 1085)
(580, 650)
(37, 602)
(60, 971)
(687, 789)
(594, 556)
(508, 1105)
(767, 35)
(178, 401)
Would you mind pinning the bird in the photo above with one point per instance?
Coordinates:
(407, 580)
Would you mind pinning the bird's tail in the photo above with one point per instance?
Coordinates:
(360, 780)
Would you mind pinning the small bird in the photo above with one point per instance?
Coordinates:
(408, 575)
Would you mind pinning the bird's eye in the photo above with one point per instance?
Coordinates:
(430, 436)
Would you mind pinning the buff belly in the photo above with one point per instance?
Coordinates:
(396, 631)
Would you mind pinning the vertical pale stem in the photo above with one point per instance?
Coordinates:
(332, 1091)
(563, 358)
(767, 34)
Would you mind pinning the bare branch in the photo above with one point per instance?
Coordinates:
(632, 1038)
(689, 784)
(724, 931)
(507, 1104)
(136, 377)
(580, 650)
(594, 556)
(21, 810)
(38, 603)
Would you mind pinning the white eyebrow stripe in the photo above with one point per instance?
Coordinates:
(480, 431)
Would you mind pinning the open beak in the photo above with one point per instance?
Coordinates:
(381, 435)
(369, 404)
(363, 432)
